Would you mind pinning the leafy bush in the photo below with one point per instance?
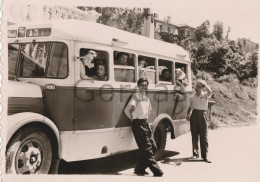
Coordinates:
(213, 125)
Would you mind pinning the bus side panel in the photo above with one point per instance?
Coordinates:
(166, 103)
(94, 108)
(182, 106)
(154, 97)
(59, 106)
(120, 101)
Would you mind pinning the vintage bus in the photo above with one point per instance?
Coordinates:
(53, 113)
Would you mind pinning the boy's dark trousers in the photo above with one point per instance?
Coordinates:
(146, 145)
(199, 127)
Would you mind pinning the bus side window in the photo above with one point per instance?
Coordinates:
(146, 68)
(181, 79)
(182, 67)
(13, 51)
(165, 71)
(93, 64)
(33, 58)
(124, 67)
(58, 63)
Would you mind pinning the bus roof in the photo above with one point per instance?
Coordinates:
(99, 33)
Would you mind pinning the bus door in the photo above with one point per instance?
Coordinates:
(95, 135)
(93, 96)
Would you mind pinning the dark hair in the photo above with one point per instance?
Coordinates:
(164, 70)
(122, 53)
(141, 80)
(97, 61)
(103, 64)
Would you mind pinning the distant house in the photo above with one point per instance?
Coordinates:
(186, 31)
(247, 45)
(165, 26)
(183, 30)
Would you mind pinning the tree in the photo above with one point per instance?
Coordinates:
(253, 64)
(202, 31)
(228, 31)
(123, 18)
(171, 38)
(218, 30)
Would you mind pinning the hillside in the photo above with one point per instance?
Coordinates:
(235, 105)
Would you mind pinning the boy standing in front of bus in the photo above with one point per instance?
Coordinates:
(197, 114)
(138, 110)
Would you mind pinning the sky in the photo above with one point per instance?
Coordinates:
(243, 17)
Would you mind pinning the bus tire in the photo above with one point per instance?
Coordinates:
(160, 140)
(29, 152)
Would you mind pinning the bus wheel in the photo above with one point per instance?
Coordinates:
(29, 152)
(160, 140)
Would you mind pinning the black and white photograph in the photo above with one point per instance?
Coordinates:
(130, 91)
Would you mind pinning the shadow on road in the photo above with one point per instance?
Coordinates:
(179, 161)
(109, 165)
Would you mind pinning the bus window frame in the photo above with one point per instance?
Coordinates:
(134, 67)
(188, 72)
(172, 72)
(47, 61)
(17, 60)
(107, 63)
(46, 64)
(151, 56)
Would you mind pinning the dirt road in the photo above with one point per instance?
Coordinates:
(234, 152)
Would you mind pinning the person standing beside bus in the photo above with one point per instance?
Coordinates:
(197, 114)
(138, 110)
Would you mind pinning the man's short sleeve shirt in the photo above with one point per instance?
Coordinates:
(199, 102)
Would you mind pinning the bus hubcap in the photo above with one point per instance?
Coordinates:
(29, 158)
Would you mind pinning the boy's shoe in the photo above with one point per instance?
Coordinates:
(141, 173)
(194, 157)
(206, 160)
(159, 174)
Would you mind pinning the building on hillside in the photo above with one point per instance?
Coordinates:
(183, 30)
(247, 45)
(186, 31)
(165, 26)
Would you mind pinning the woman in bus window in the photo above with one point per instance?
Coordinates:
(101, 73)
(86, 64)
(181, 81)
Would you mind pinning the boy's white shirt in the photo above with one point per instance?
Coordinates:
(141, 107)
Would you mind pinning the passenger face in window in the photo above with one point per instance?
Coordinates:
(165, 75)
(101, 70)
(88, 58)
(142, 63)
(179, 74)
(101, 73)
(183, 69)
(122, 59)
